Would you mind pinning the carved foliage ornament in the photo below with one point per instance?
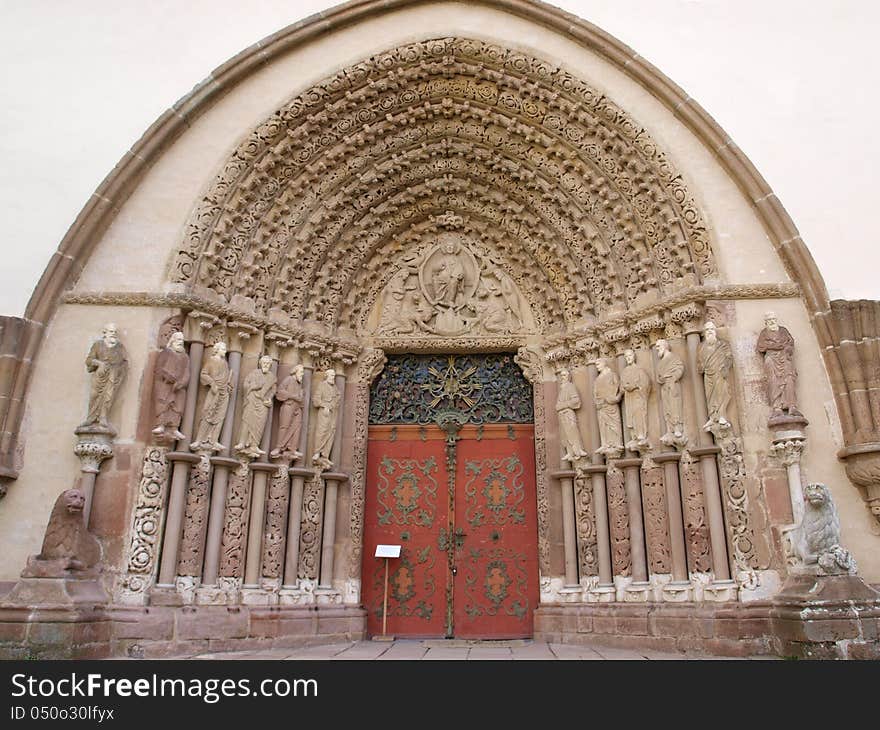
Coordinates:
(560, 183)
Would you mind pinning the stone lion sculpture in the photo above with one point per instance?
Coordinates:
(67, 545)
(821, 533)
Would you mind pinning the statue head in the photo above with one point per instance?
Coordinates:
(450, 247)
(662, 347)
(74, 501)
(564, 376)
(176, 342)
(297, 372)
(771, 322)
(330, 376)
(219, 349)
(602, 365)
(710, 332)
(265, 363)
(816, 494)
(110, 335)
(629, 356)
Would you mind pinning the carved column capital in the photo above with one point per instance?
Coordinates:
(197, 324)
(92, 450)
(239, 333)
(788, 451)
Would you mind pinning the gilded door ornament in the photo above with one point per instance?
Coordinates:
(494, 491)
(414, 389)
(406, 492)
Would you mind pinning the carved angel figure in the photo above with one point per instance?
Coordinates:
(67, 545)
(290, 416)
(714, 361)
(216, 375)
(326, 400)
(568, 401)
(170, 379)
(821, 533)
(107, 361)
(258, 390)
(606, 396)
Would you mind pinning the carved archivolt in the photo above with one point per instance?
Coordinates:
(546, 175)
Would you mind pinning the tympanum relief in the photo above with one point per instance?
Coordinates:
(451, 289)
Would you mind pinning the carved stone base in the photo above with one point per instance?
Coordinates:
(550, 588)
(258, 597)
(827, 617)
(302, 594)
(212, 595)
(720, 591)
(638, 592)
(186, 586)
(328, 597)
(57, 591)
(162, 595)
(677, 592)
(570, 594)
(601, 594)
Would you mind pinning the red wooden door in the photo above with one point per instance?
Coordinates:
(496, 562)
(468, 565)
(406, 504)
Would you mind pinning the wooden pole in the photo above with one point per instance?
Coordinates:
(385, 602)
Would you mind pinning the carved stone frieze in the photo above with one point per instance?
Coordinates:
(656, 518)
(358, 475)
(146, 527)
(588, 558)
(541, 482)
(310, 530)
(618, 518)
(234, 540)
(741, 537)
(695, 524)
(403, 140)
(275, 526)
(195, 521)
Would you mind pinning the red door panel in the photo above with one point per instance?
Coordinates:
(406, 504)
(496, 582)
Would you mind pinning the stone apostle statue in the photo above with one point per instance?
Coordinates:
(258, 390)
(170, 379)
(326, 400)
(776, 344)
(290, 416)
(670, 370)
(216, 375)
(636, 386)
(714, 361)
(568, 401)
(606, 396)
(107, 361)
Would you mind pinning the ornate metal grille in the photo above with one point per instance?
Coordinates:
(414, 389)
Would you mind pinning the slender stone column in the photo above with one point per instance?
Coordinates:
(600, 490)
(257, 516)
(222, 465)
(672, 482)
(298, 474)
(569, 533)
(631, 469)
(788, 449)
(670, 460)
(709, 466)
(194, 330)
(331, 492)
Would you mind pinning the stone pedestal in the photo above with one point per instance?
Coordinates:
(827, 617)
(70, 591)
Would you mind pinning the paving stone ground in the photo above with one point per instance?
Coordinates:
(456, 650)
